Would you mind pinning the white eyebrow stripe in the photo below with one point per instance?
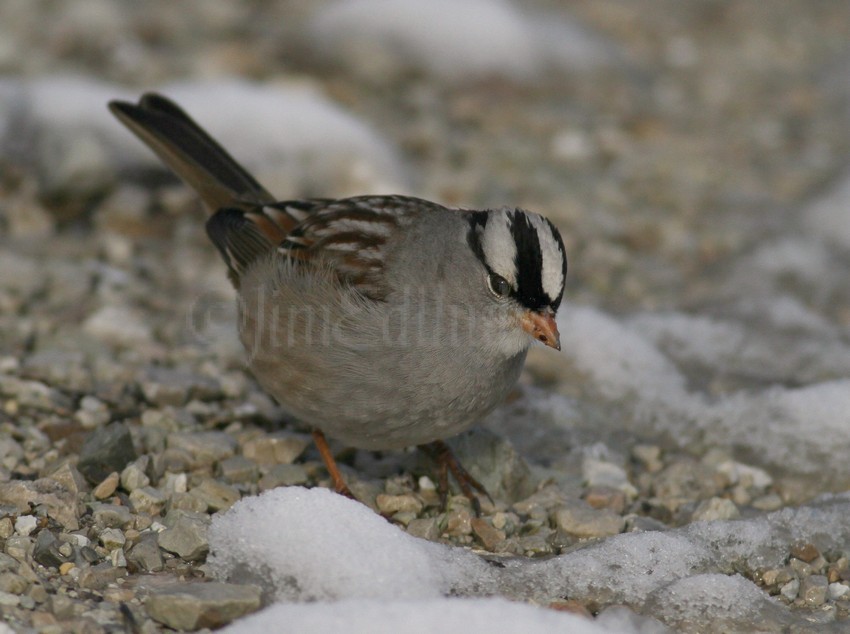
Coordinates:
(552, 268)
(499, 247)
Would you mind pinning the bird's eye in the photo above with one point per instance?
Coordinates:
(498, 285)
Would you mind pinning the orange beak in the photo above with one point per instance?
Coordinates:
(542, 326)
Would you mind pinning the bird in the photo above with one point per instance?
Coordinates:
(381, 321)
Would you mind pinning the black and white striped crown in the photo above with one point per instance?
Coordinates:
(526, 250)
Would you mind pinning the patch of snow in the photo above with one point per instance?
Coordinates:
(290, 136)
(315, 546)
(452, 39)
(447, 616)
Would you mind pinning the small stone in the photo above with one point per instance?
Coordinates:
(175, 483)
(391, 504)
(582, 521)
(46, 550)
(111, 515)
(284, 475)
(112, 538)
(276, 448)
(107, 486)
(20, 547)
(606, 498)
(205, 447)
(148, 500)
(12, 583)
(238, 469)
(599, 473)
(715, 509)
(814, 590)
(838, 591)
(800, 567)
(187, 502)
(745, 475)
(118, 325)
(777, 576)
(769, 502)
(790, 590)
(106, 449)
(133, 476)
(92, 412)
(48, 494)
(146, 555)
(424, 528)
(6, 527)
(458, 521)
(186, 534)
(26, 524)
(70, 478)
(545, 499)
(489, 536)
(805, 551)
(117, 558)
(686, 480)
(66, 567)
(216, 495)
(100, 576)
(195, 605)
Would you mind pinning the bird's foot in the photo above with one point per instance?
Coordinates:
(446, 461)
(327, 457)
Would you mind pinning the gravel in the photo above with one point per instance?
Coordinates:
(126, 420)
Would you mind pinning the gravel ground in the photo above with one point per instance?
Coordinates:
(127, 419)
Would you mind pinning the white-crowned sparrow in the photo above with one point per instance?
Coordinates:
(384, 321)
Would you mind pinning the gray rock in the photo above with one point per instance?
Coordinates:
(106, 449)
(20, 547)
(715, 509)
(111, 516)
(146, 555)
(186, 534)
(790, 590)
(133, 476)
(190, 606)
(492, 460)
(238, 469)
(276, 448)
(46, 550)
(582, 521)
(166, 386)
(216, 495)
(814, 590)
(112, 538)
(12, 583)
(99, 576)
(284, 475)
(45, 494)
(148, 500)
(204, 447)
(70, 478)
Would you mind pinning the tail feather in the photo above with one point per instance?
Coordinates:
(188, 150)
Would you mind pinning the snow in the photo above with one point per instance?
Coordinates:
(447, 616)
(289, 135)
(464, 39)
(326, 560)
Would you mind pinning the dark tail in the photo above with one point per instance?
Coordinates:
(188, 150)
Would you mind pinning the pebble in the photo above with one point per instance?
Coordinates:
(239, 469)
(217, 496)
(391, 504)
(51, 496)
(148, 500)
(275, 448)
(112, 538)
(790, 590)
(133, 476)
(283, 475)
(424, 528)
(195, 605)
(111, 515)
(582, 521)
(805, 551)
(107, 486)
(838, 591)
(715, 509)
(185, 534)
(106, 449)
(92, 412)
(70, 478)
(489, 536)
(118, 325)
(814, 590)
(146, 554)
(204, 447)
(599, 473)
(26, 524)
(46, 550)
